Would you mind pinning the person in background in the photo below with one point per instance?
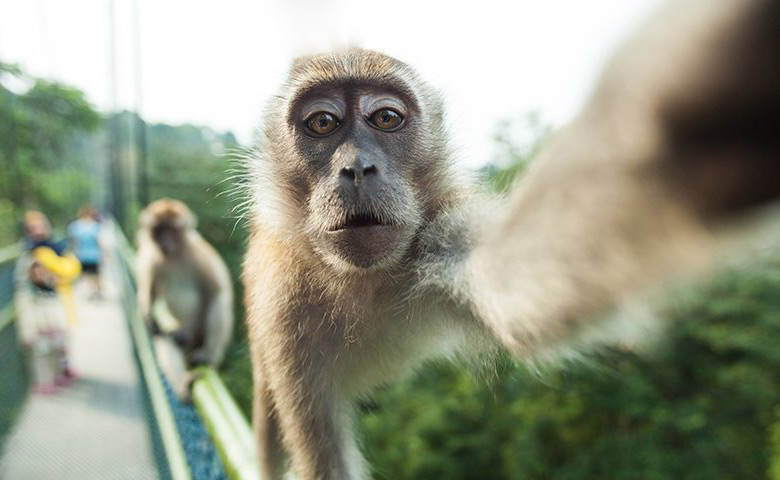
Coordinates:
(44, 303)
(84, 234)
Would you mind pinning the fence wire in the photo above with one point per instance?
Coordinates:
(13, 377)
(199, 458)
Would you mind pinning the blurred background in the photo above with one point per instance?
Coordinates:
(120, 102)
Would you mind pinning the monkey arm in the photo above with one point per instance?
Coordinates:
(218, 329)
(173, 365)
(217, 314)
(678, 142)
(571, 246)
(271, 454)
(146, 264)
(317, 425)
(297, 405)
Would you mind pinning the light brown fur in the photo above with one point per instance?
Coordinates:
(193, 283)
(616, 203)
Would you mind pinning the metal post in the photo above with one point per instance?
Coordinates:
(140, 124)
(117, 198)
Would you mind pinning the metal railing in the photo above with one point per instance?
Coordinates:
(228, 428)
(226, 425)
(8, 256)
(14, 383)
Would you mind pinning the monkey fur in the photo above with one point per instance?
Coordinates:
(177, 267)
(370, 252)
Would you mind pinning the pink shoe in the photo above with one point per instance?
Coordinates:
(45, 389)
(62, 381)
(65, 378)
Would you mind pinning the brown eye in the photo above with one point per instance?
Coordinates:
(386, 119)
(322, 123)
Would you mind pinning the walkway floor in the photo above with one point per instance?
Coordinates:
(96, 428)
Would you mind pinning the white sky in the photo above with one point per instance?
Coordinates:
(215, 63)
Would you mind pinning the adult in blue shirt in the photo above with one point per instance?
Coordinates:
(84, 234)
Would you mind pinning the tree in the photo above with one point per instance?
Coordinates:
(44, 145)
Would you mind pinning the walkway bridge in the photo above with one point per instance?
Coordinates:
(120, 419)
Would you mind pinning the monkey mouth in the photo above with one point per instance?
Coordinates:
(361, 220)
(364, 240)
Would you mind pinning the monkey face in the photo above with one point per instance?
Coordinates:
(358, 157)
(167, 222)
(357, 141)
(168, 237)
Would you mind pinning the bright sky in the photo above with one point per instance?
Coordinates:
(215, 63)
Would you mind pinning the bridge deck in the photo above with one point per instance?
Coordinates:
(97, 427)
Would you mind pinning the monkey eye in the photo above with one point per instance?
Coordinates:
(386, 119)
(322, 123)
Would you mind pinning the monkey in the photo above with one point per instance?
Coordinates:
(370, 252)
(176, 266)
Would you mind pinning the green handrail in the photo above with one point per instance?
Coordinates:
(226, 424)
(7, 316)
(228, 428)
(8, 254)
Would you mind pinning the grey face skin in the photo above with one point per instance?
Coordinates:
(169, 237)
(357, 140)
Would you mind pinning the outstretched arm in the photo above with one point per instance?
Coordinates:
(680, 140)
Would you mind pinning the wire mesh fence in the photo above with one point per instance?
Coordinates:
(13, 377)
(193, 454)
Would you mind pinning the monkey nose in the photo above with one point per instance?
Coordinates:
(355, 174)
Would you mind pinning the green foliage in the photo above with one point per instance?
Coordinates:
(701, 408)
(43, 131)
(517, 141)
(13, 388)
(774, 468)
(190, 164)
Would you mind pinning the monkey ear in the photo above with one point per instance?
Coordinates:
(721, 118)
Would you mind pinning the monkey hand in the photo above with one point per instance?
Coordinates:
(199, 357)
(151, 324)
(182, 338)
(183, 388)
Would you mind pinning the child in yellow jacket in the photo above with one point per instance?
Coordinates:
(44, 302)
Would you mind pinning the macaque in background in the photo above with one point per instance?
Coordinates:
(179, 269)
(369, 253)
